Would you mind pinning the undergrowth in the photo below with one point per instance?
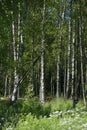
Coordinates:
(31, 115)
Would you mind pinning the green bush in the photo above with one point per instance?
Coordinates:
(71, 120)
(11, 112)
(53, 123)
(35, 108)
(80, 104)
(32, 115)
(60, 104)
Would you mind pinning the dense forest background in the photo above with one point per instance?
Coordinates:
(43, 49)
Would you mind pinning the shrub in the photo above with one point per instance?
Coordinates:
(60, 104)
(35, 108)
(11, 112)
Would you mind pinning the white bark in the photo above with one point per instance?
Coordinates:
(16, 77)
(68, 62)
(42, 79)
(73, 59)
(42, 98)
(9, 90)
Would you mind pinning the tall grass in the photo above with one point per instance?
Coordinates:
(57, 114)
(60, 104)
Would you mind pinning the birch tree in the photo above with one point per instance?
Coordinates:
(42, 85)
(15, 60)
(81, 55)
(69, 53)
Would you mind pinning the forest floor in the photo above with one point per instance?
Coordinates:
(54, 115)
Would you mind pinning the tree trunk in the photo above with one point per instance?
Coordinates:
(16, 77)
(33, 75)
(86, 75)
(42, 97)
(58, 85)
(81, 54)
(68, 86)
(60, 24)
(73, 67)
(51, 82)
(68, 63)
(9, 84)
(58, 89)
(75, 86)
(18, 52)
(6, 84)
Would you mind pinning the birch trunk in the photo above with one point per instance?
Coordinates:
(19, 34)
(9, 89)
(16, 77)
(42, 97)
(73, 58)
(6, 81)
(81, 54)
(68, 63)
(75, 86)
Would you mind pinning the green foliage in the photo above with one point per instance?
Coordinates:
(29, 91)
(70, 120)
(10, 112)
(35, 108)
(80, 104)
(31, 115)
(60, 104)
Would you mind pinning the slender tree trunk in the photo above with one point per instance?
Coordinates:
(58, 85)
(65, 74)
(53, 89)
(33, 74)
(81, 54)
(14, 94)
(58, 89)
(72, 52)
(75, 86)
(20, 46)
(68, 86)
(73, 67)
(6, 84)
(19, 34)
(60, 24)
(65, 79)
(42, 79)
(86, 75)
(36, 83)
(42, 97)
(68, 63)
(9, 84)
(51, 84)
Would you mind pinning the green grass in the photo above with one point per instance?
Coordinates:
(31, 115)
(70, 120)
(60, 104)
